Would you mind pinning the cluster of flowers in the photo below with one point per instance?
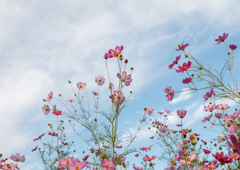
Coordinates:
(11, 166)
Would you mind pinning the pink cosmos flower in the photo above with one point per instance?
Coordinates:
(220, 138)
(65, 162)
(148, 158)
(50, 96)
(95, 93)
(46, 109)
(17, 158)
(210, 108)
(144, 119)
(171, 66)
(151, 137)
(34, 149)
(184, 67)
(10, 166)
(117, 51)
(235, 156)
(218, 115)
(222, 159)
(212, 165)
(54, 108)
(181, 47)
(161, 113)
(65, 143)
(179, 144)
(137, 167)
(206, 151)
(111, 87)
(213, 123)
(223, 107)
(125, 78)
(136, 155)
(53, 134)
(170, 93)
(143, 149)
(70, 100)
(39, 137)
(100, 80)
(79, 166)
(167, 111)
(233, 47)
(117, 97)
(149, 110)
(85, 158)
(208, 94)
(179, 125)
(232, 117)
(181, 113)
(207, 118)
(168, 132)
(187, 80)
(57, 113)
(81, 86)
(174, 62)
(107, 164)
(233, 129)
(235, 145)
(122, 159)
(221, 38)
(150, 147)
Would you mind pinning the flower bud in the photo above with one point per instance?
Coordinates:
(95, 119)
(126, 61)
(192, 75)
(44, 100)
(130, 91)
(131, 68)
(69, 81)
(186, 55)
(59, 94)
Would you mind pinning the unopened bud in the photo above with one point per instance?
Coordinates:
(126, 61)
(44, 100)
(130, 91)
(186, 55)
(131, 68)
(59, 94)
(69, 81)
(95, 119)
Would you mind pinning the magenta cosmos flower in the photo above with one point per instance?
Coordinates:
(17, 158)
(235, 145)
(50, 96)
(100, 80)
(34, 149)
(187, 80)
(167, 111)
(182, 47)
(125, 78)
(111, 53)
(221, 38)
(149, 111)
(184, 67)
(233, 47)
(46, 109)
(39, 137)
(170, 93)
(181, 113)
(107, 164)
(81, 86)
(117, 97)
(208, 94)
(222, 159)
(57, 113)
(206, 151)
(174, 62)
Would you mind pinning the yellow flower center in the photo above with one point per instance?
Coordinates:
(222, 108)
(234, 156)
(149, 159)
(184, 68)
(67, 162)
(46, 109)
(188, 159)
(107, 165)
(115, 53)
(210, 167)
(80, 86)
(50, 97)
(17, 160)
(99, 80)
(232, 116)
(77, 168)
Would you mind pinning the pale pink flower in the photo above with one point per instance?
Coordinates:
(95, 93)
(65, 162)
(50, 96)
(233, 129)
(179, 144)
(235, 156)
(221, 38)
(218, 115)
(149, 110)
(209, 108)
(111, 87)
(223, 107)
(17, 158)
(107, 164)
(125, 78)
(122, 159)
(143, 149)
(170, 93)
(81, 86)
(79, 166)
(10, 166)
(100, 80)
(117, 97)
(148, 158)
(232, 117)
(117, 51)
(70, 100)
(181, 113)
(207, 118)
(167, 111)
(46, 109)
(213, 123)
(220, 138)
(161, 113)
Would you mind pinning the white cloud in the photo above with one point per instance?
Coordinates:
(183, 96)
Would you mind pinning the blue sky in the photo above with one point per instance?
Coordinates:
(43, 44)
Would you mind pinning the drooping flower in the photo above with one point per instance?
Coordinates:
(187, 80)
(53, 134)
(111, 87)
(46, 109)
(70, 100)
(81, 86)
(95, 93)
(100, 80)
(50, 96)
(17, 158)
(125, 78)
(181, 113)
(170, 93)
(184, 67)
(233, 47)
(221, 38)
(220, 138)
(181, 47)
(144, 119)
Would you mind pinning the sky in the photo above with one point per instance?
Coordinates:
(43, 44)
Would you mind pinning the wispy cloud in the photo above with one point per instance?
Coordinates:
(183, 96)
